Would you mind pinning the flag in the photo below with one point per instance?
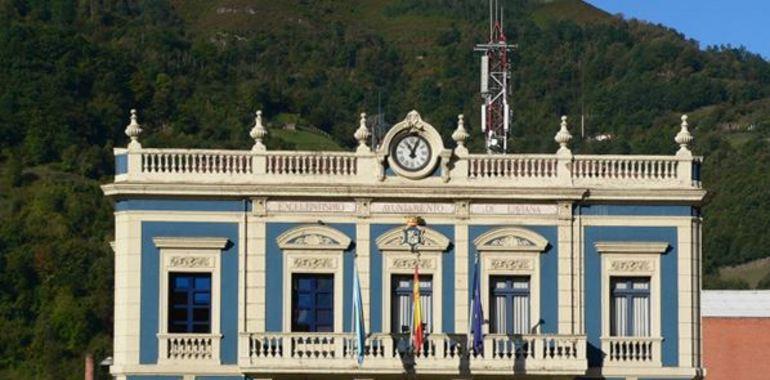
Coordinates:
(477, 314)
(417, 332)
(359, 329)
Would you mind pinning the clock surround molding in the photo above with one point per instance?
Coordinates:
(412, 124)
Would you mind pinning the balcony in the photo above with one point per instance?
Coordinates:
(390, 353)
(627, 351)
(180, 348)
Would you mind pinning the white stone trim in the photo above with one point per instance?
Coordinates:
(413, 123)
(511, 251)
(392, 240)
(313, 249)
(508, 239)
(190, 255)
(393, 251)
(630, 247)
(313, 237)
(632, 259)
(190, 243)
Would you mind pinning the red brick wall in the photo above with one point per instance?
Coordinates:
(736, 348)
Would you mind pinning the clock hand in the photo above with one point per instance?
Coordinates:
(413, 149)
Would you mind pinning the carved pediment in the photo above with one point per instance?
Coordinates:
(313, 237)
(393, 240)
(510, 239)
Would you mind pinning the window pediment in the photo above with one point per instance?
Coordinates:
(393, 240)
(314, 237)
(510, 239)
(185, 242)
(641, 247)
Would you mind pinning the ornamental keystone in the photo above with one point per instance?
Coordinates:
(258, 132)
(133, 130)
(563, 137)
(362, 134)
(684, 137)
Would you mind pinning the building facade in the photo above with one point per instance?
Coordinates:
(240, 264)
(736, 330)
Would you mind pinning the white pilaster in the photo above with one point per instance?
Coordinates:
(255, 275)
(565, 272)
(363, 265)
(461, 277)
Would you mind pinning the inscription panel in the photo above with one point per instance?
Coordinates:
(513, 209)
(412, 208)
(311, 206)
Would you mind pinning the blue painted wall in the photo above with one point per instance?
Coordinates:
(154, 377)
(236, 205)
(634, 210)
(549, 268)
(375, 275)
(232, 377)
(150, 280)
(668, 286)
(121, 164)
(274, 274)
(447, 272)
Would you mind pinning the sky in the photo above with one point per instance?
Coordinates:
(711, 22)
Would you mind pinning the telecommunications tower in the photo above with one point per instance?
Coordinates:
(495, 76)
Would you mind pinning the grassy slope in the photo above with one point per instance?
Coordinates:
(751, 272)
(306, 140)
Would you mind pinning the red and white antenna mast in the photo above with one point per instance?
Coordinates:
(495, 76)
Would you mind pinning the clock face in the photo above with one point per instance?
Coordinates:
(411, 152)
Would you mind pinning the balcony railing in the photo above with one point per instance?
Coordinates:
(441, 353)
(631, 351)
(190, 166)
(189, 347)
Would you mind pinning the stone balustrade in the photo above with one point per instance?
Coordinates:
(370, 168)
(189, 347)
(191, 166)
(631, 350)
(441, 353)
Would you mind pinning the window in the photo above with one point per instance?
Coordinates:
(509, 305)
(401, 320)
(189, 303)
(630, 306)
(312, 299)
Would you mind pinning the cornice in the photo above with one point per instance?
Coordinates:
(400, 191)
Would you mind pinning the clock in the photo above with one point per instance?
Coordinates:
(411, 152)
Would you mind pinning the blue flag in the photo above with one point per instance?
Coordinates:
(359, 329)
(476, 338)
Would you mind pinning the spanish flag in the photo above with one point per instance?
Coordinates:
(417, 332)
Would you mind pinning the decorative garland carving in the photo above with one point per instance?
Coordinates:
(409, 262)
(314, 263)
(510, 264)
(313, 239)
(510, 241)
(631, 266)
(190, 262)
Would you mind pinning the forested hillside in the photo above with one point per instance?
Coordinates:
(197, 70)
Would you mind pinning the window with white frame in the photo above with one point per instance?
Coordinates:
(189, 303)
(630, 306)
(312, 302)
(402, 303)
(509, 305)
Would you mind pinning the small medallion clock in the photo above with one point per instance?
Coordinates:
(411, 152)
